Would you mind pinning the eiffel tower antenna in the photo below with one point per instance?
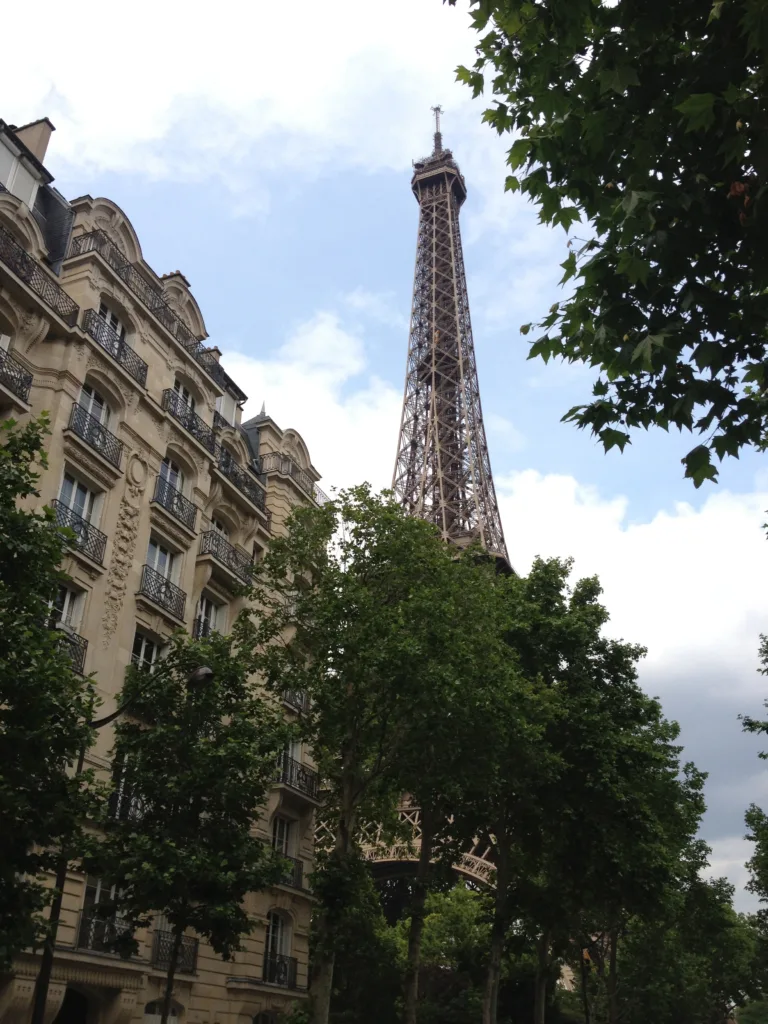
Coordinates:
(443, 469)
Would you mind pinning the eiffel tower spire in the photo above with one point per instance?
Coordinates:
(443, 470)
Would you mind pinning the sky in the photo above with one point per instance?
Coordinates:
(269, 159)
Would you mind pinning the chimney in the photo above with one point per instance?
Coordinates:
(36, 136)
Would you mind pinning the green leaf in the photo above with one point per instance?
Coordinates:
(698, 109)
(569, 266)
(519, 153)
(635, 267)
(511, 183)
(698, 465)
(613, 438)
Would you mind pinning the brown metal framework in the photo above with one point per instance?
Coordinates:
(443, 470)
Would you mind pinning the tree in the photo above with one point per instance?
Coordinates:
(362, 608)
(194, 762)
(45, 706)
(648, 122)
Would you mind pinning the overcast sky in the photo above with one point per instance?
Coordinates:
(269, 159)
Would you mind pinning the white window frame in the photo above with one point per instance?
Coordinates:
(155, 549)
(111, 319)
(283, 831)
(277, 941)
(69, 615)
(95, 404)
(140, 659)
(184, 394)
(93, 499)
(208, 610)
(172, 473)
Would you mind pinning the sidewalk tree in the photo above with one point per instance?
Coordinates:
(45, 706)
(194, 762)
(646, 122)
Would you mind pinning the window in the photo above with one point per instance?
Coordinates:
(5, 342)
(278, 934)
(111, 320)
(77, 497)
(226, 407)
(153, 1012)
(220, 528)
(208, 615)
(170, 472)
(65, 607)
(145, 651)
(184, 394)
(94, 404)
(282, 835)
(123, 805)
(161, 559)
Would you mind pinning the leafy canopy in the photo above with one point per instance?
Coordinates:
(646, 121)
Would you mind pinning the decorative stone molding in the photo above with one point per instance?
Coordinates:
(122, 561)
(101, 472)
(137, 474)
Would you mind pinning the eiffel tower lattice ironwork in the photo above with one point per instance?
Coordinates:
(443, 470)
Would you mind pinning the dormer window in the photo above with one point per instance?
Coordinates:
(112, 320)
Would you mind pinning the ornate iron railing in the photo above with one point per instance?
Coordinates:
(201, 628)
(157, 588)
(14, 376)
(33, 275)
(296, 699)
(173, 501)
(280, 970)
(89, 540)
(100, 934)
(95, 434)
(243, 481)
(294, 872)
(296, 775)
(162, 948)
(97, 241)
(219, 422)
(212, 543)
(276, 462)
(123, 806)
(189, 419)
(76, 647)
(116, 346)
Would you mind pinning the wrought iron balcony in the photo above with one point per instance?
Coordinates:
(75, 646)
(14, 376)
(280, 970)
(100, 934)
(294, 872)
(296, 775)
(212, 543)
(154, 300)
(296, 699)
(201, 628)
(89, 540)
(162, 948)
(157, 588)
(243, 481)
(276, 462)
(189, 419)
(116, 346)
(95, 434)
(173, 501)
(219, 422)
(33, 275)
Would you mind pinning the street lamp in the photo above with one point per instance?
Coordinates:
(202, 674)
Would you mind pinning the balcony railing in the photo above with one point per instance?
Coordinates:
(173, 501)
(296, 699)
(280, 970)
(276, 462)
(89, 540)
(116, 346)
(97, 241)
(75, 646)
(294, 872)
(100, 934)
(243, 481)
(188, 418)
(212, 543)
(160, 590)
(201, 628)
(296, 775)
(33, 275)
(95, 434)
(14, 376)
(162, 948)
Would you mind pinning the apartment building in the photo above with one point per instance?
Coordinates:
(171, 497)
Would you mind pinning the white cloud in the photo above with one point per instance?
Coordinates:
(503, 434)
(379, 306)
(729, 856)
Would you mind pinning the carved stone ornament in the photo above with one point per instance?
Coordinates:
(122, 561)
(90, 466)
(137, 474)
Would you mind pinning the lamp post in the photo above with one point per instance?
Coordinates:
(202, 674)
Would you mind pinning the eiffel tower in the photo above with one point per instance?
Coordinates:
(443, 470)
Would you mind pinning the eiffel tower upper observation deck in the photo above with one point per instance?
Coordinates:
(443, 470)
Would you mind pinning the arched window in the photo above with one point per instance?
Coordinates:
(112, 320)
(278, 934)
(184, 394)
(171, 473)
(153, 1012)
(95, 404)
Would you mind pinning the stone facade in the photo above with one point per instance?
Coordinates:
(171, 497)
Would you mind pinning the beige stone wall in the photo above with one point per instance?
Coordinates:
(63, 357)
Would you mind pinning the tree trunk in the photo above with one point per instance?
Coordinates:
(498, 933)
(613, 1002)
(178, 932)
(416, 930)
(540, 992)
